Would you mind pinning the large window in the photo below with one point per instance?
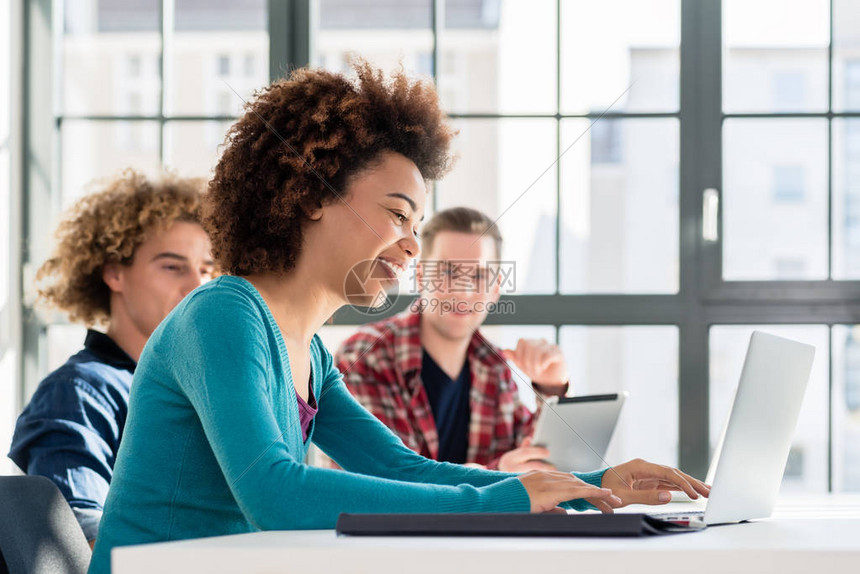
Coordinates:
(569, 138)
(168, 86)
(146, 84)
(590, 131)
(529, 86)
(789, 244)
(791, 90)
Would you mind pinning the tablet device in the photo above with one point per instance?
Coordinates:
(577, 430)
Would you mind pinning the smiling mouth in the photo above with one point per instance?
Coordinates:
(391, 270)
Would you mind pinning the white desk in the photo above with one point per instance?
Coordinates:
(818, 535)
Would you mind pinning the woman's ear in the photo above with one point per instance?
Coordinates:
(312, 210)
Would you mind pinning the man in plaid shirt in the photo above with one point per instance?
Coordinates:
(430, 375)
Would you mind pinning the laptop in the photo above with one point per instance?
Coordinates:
(577, 430)
(747, 466)
(745, 474)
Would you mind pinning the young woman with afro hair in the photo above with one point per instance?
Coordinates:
(323, 179)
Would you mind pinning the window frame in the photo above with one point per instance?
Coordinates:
(703, 298)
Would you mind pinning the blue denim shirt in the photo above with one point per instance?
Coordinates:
(71, 429)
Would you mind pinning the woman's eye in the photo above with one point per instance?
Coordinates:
(400, 217)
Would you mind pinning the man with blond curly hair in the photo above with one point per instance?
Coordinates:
(126, 256)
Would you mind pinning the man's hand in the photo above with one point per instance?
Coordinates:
(541, 361)
(526, 457)
(642, 482)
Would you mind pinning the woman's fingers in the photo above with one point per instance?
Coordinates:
(601, 505)
(656, 477)
(658, 484)
(587, 492)
(568, 487)
(548, 489)
(702, 488)
(647, 497)
(655, 473)
(682, 480)
(699, 485)
(635, 482)
(641, 482)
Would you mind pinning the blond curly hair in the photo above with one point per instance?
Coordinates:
(108, 226)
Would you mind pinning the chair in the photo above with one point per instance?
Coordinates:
(38, 530)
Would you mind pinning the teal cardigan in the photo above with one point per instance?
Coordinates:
(213, 445)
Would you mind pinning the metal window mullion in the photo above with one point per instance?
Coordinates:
(560, 116)
(558, 151)
(155, 118)
(289, 36)
(810, 313)
(700, 127)
(830, 148)
(593, 310)
(830, 200)
(830, 410)
(558, 213)
(168, 10)
(830, 248)
(785, 115)
(58, 70)
(830, 63)
(437, 21)
(825, 291)
(279, 36)
(57, 140)
(38, 168)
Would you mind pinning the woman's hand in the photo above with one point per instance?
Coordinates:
(642, 482)
(548, 489)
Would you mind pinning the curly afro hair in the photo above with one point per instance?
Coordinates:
(108, 226)
(297, 146)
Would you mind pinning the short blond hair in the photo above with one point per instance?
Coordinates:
(460, 220)
(108, 226)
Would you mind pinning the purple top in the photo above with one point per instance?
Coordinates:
(307, 411)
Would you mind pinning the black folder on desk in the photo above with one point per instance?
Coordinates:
(507, 524)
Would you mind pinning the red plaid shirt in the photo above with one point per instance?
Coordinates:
(381, 366)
